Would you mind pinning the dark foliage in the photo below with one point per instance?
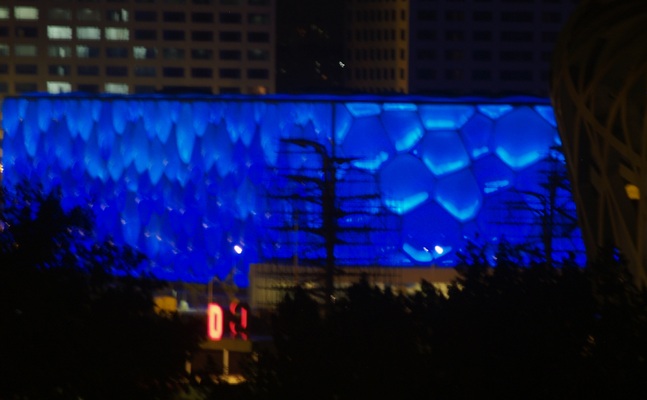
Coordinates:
(77, 316)
(505, 331)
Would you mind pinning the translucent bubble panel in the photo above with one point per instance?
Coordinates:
(187, 179)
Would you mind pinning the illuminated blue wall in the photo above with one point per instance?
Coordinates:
(185, 179)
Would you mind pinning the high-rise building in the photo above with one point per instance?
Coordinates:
(452, 47)
(137, 46)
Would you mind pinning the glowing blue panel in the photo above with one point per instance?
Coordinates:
(31, 131)
(10, 116)
(201, 117)
(186, 179)
(400, 107)
(477, 133)
(522, 137)
(343, 122)
(363, 109)
(424, 244)
(445, 117)
(547, 113)
(164, 120)
(368, 142)
(402, 193)
(403, 126)
(459, 194)
(44, 114)
(492, 174)
(503, 216)
(495, 111)
(120, 115)
(443, 152)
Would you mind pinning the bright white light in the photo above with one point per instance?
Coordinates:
(439, 249)
(238, 249)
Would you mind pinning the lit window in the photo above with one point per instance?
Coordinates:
(172, 53)
(258, 19)
(59, 51)
(258, 54)
(86, 14)
(145, 72)
(4, 49)
(204, 54)
(59, 87)
(87, 51)
(88, 33)
(59, 32)
(4, 12)
(26, 50)
(143, 53)
(633, 192)
(117, 15)
(59, 14)
(59, 70)
(117, 34)
(120, 88)
(25, 12)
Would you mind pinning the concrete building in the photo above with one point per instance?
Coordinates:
(137, 46)
(452, 47)
(598, 91)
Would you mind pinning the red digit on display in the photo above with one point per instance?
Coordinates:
(239, 323)
(214, 321)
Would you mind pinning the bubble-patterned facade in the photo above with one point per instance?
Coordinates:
(186, 179)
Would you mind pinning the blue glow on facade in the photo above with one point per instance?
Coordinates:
(186, 179)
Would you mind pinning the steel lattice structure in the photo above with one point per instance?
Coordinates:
(599, 91)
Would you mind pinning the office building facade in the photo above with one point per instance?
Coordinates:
(137, 46)
(452, 47)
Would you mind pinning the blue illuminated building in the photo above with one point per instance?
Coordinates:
(185, 179)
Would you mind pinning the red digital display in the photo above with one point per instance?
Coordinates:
(235, 319)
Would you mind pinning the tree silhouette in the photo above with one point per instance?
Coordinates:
(77, 315)
(508, 330)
